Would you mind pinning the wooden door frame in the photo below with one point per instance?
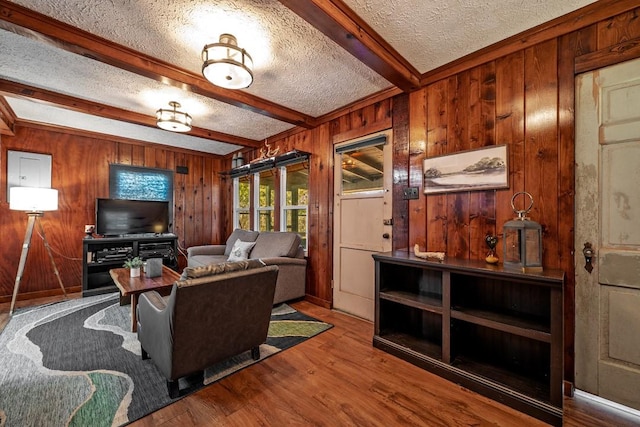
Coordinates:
(580, 64)
(379, 128)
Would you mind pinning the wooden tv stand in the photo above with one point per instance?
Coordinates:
(99, 255)
(495, 331)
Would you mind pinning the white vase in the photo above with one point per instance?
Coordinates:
(135, 272)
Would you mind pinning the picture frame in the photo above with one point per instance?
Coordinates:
(480, 169)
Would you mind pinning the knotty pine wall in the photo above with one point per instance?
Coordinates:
(80, 172)
(523, 98)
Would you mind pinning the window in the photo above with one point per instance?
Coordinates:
(273, 195)
(241, 202)
(294, 199)
(362, 166)
(265, 200)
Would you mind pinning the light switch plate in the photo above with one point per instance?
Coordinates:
(410, 193)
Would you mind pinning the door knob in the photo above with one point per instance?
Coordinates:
(385, 236)
(588, 253)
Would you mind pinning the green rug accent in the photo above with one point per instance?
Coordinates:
(77, 363)
(98, 411)
(298, 328)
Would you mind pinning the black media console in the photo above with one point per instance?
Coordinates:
(102, 254)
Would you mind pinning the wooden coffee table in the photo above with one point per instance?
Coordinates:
(134, 286)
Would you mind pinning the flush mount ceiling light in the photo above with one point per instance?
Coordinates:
(173, 120)
(226, 65)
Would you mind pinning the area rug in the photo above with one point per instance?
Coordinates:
(77, 363)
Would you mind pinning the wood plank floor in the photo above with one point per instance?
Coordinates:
(339, 379)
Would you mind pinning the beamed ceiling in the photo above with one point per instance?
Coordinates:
(106, 67)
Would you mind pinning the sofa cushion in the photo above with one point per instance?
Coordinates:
(244, 235)
(276, 244)
(240, 250)
(221, 268)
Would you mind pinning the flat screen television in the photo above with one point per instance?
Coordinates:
(117, 217)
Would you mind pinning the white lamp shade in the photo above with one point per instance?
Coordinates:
(33, 199)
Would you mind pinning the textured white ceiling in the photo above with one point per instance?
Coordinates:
(39, 112)
(431, 33)
(295, 65)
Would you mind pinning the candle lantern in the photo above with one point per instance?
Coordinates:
(522, 240)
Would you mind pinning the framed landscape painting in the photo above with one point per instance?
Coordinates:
(482, 169)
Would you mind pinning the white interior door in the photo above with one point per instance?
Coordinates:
(362, 220)
(608, 216)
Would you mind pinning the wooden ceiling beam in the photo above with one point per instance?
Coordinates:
(101, 110)
(7, 118)
(342, 25)
(91, 46)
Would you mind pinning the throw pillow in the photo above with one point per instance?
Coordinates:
(238, 233)
(221, 268)
(240, 250)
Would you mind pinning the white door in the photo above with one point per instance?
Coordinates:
(608, 216)
(362, 220)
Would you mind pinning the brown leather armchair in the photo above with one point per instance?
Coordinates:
(206, 320)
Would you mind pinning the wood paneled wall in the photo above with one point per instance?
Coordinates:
(523, 98)
(80, 172)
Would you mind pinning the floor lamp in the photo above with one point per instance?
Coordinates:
(35, 201)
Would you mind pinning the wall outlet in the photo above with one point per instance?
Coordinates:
(410, 193)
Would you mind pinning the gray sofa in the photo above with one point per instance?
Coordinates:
(184, 335)
(272, 248)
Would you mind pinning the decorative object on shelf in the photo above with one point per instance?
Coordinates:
(237, 160)
(266, 152)
(88, 231)
(227, 65)
(153, 267)
(522, 240)
(481, 169)
(491, 242)
(134, 264)
(173, 120)
(35, 201)
(432, 256)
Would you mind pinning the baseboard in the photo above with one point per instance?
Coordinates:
(318, 301)
(41, 294)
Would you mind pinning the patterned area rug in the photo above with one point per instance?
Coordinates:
(76, 363)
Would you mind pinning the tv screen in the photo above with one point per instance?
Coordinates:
(116, 217)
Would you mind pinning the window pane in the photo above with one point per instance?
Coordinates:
(267, 190)
(297, 192)
(244, 221)
(243, 192)
(296, 221)
(265, 220)
(362, 169)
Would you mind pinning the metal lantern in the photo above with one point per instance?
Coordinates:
(522, 240)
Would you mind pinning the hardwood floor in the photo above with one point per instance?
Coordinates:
(338, 379)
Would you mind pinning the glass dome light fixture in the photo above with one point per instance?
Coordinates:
(226, 65)
(173, 120)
